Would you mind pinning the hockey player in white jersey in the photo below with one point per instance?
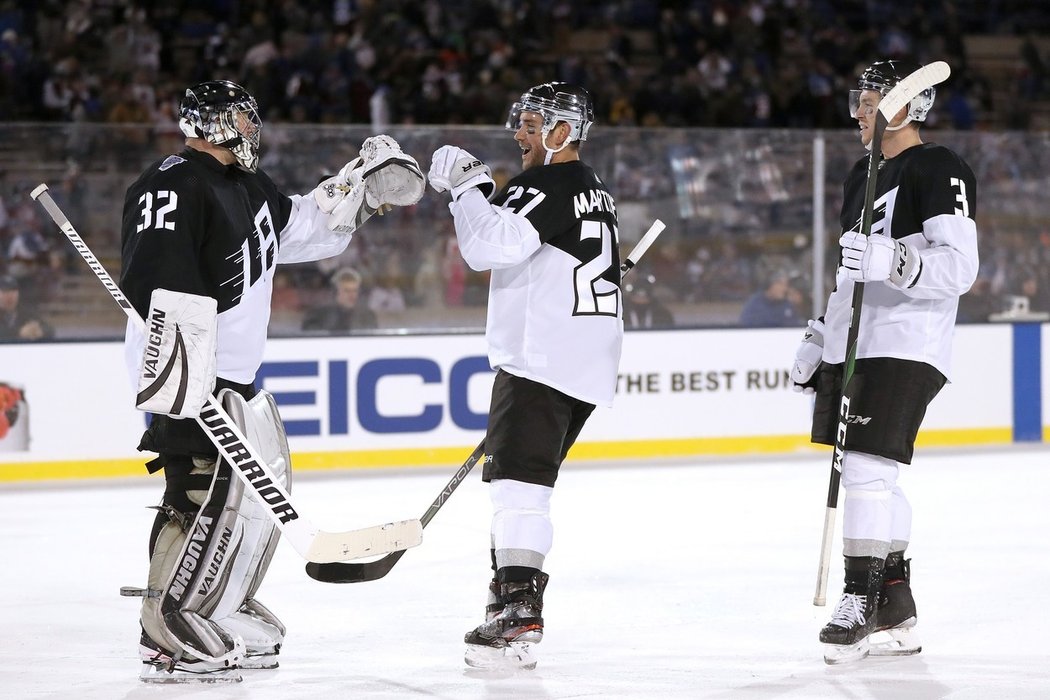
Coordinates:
(554, 333)
(920, 258)
(201, 233)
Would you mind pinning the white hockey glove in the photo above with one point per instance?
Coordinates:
(807, 358)
(382, 177)
(455, 170)
(876, 258)
(391, 176)
(178, 366)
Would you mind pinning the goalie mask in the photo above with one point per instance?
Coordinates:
(881, 77)
(224, 114)
(556, 102)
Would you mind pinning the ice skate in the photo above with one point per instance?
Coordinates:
(512, 627)
(845, 637)
(159, 666)
(896, 635)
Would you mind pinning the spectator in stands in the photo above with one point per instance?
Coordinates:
(386, 295)
(641, 308)
(345, 314)
(28, 259)
(775, 305)
(17, 323)
(979, 303)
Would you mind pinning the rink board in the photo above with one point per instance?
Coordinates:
(408, 401)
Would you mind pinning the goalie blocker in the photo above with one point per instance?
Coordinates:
(177, 374)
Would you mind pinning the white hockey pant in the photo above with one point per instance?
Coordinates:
(207, 574)
(522, 533)
(876, 517)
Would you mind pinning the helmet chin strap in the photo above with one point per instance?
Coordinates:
(550, 152)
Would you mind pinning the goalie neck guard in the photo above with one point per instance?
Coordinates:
(556, 102)
(226, 115)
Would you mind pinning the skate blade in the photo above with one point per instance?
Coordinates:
(835, 654)
(259, 661)
(152, 673)
(902, 640)
(514, 656)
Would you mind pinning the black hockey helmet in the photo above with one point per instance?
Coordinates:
(557, 102)
(882, 76)
(225, 114)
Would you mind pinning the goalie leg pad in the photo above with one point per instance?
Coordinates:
(237, 610)
(189, 566)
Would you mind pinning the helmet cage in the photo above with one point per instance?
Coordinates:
(559, 106)
(881, 77)
(224, 114)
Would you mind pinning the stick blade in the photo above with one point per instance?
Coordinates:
(908, 88)
(328, 547)
(343, 572)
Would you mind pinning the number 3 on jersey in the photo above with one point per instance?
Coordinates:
(595, 295)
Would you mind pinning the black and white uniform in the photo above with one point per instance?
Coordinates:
(193, 225)
(926, 197)
(554, 331)
(555, 307)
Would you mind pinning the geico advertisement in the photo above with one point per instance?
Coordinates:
(73, 400)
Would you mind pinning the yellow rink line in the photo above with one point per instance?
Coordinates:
(451, 456)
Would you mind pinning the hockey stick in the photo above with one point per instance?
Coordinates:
(344, 572)
(898, 97)
(313, 544)
(372, 570)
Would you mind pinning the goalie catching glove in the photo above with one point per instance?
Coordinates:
(808, 358)
(876, 258)
(457, 171)
(382, 177)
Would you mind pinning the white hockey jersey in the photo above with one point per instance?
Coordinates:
(555, 308)
(926, 197)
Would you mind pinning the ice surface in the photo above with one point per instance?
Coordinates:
(686, 580)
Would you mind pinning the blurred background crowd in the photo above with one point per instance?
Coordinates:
(107, 75)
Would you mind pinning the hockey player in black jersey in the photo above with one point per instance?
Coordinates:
(554, 332)
(920, 258)
(201, 233)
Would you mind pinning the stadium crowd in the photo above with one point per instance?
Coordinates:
(693, 63)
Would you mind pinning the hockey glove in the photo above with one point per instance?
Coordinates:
(177, 374)
(457, 171)
(391, 176)
(876, 258)
(807, 358)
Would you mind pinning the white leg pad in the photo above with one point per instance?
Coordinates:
(236, 610)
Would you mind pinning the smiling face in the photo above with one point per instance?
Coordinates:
(534, 149)
(530, 139)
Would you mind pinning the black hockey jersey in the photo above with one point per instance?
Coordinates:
(555, 309)
(191, 224)
(925, 196)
